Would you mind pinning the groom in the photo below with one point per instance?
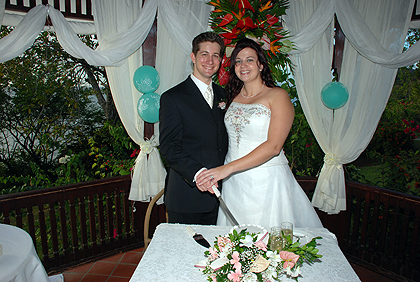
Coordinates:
(193, 135)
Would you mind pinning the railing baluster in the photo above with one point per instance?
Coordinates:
(31, 223)
(364, 229)
(92, 222)
(374, 230)
(18, 217)
(73, 226)
(53, 224)
(404, 231)
(355, 230)
(118, 215)
(83, 226)
(101, 220)
(384, 228)
(395, 212)
(43, 229)
(126, 209)
(110, 217)
(64, 234)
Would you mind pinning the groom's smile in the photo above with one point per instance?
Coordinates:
(207, 61)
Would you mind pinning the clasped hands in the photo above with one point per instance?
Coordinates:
(209, 177)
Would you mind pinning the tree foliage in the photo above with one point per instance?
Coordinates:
(47, 106)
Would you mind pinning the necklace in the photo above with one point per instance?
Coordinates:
(253, 95)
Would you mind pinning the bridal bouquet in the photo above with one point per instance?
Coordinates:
(245, 256)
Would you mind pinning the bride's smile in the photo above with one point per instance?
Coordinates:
(247, 66)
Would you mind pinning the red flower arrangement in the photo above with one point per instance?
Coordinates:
(259, 20)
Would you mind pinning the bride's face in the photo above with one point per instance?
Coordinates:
(247, 66)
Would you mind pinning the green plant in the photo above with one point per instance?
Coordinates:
(400, 172)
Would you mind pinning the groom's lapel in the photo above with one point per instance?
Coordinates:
(198, 100)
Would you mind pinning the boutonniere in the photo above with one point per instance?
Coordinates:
(222, 104)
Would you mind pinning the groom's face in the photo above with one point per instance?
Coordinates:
(206, 61)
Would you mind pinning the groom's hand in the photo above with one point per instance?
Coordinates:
(204, 182)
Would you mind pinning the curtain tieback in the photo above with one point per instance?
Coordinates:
(330, 159)
(146, 147)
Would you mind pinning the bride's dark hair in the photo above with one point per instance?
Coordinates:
(234, 85)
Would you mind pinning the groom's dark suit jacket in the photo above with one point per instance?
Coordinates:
(192, 136)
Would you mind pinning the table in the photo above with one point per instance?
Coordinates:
(172, 253)
(19, 261)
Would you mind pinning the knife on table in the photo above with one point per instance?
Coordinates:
(223, 205)
(198, 237)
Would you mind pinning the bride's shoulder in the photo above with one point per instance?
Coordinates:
(279, 100)
(278, 93)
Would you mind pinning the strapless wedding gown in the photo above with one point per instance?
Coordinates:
(268, 194)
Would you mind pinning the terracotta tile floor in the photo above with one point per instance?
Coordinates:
(117, 268)
(120, 267)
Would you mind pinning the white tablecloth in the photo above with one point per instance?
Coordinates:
(19, 261)
(173, 252)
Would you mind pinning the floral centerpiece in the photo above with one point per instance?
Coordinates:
(245, 256)
(256, 19)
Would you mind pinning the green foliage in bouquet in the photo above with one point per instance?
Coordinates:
(256, 19)
(245, 256)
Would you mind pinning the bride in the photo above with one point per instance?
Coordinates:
(258, 185)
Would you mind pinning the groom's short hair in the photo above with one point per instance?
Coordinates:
(208, 36)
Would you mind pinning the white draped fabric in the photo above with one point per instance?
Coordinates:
(375, 33)
(178, 23)
(148, 176)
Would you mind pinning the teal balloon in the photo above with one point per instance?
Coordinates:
(148, 107)
(334, 95)
(146, 79)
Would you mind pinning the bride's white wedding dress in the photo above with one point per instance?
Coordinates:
(268, 194)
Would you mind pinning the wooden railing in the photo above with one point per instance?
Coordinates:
(379, 230)
(77, 223)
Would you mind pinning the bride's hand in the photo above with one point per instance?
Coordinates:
(213, 175)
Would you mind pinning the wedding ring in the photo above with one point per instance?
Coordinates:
(211, 177)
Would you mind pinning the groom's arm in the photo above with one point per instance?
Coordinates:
(171, 138)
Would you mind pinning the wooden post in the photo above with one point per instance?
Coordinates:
(338, 49)
(149, 59)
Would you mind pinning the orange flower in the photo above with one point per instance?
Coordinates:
(274, 48)
(214, 3)
(266, 6)
(238, 15)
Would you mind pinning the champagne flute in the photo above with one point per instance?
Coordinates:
(287, 230)
(276, 239)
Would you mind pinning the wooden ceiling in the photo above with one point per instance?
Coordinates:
(76, 9)
(82, 9)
